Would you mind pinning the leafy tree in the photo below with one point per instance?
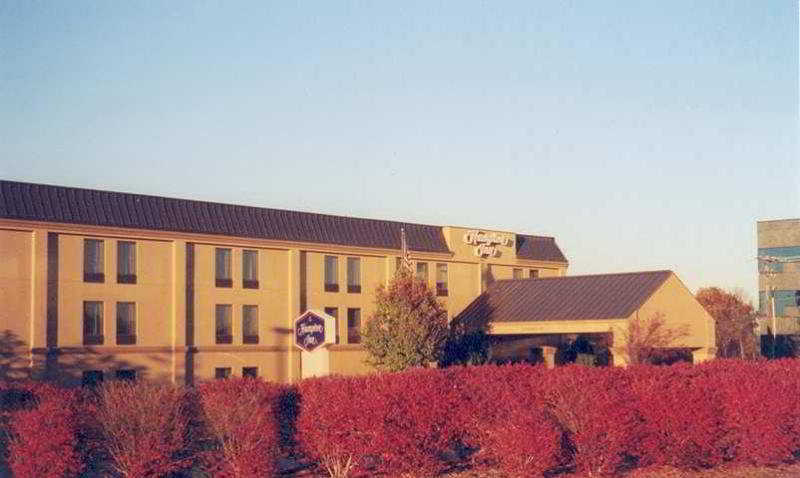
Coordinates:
(409, 326)
(646, 337)
(735, 322)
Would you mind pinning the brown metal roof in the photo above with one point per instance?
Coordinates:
(538, 248)
(604, 296)
(38, 202)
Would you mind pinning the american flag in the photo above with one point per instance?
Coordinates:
(404, 247)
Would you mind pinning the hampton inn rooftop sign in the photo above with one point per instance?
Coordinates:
(486, 243)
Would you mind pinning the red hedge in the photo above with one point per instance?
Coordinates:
(44, 428)
(520, 420)
(241, 417)
(392, 423)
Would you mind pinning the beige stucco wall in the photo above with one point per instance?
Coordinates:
(152, 292)
(290, 281)
(16, 300)
(680, 310)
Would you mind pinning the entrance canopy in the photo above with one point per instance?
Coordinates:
(592, 304)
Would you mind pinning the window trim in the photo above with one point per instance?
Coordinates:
(350, 328)
(427, 271)
(226, 371)
(225, 280)
(94, 276)
(223, 339)
(250, 283)
(330, 286)
(247, 374)
(354, 288)
(335, 315)
(126, 278)
(250, 339)
(126, 339)
(94, 339)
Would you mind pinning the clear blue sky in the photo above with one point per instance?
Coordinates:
(643, 135)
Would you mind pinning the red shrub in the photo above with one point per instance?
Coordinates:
(760, 410)
(503, 419)
(241, 417)
(143, 427)
(594, 409)
(392, 423)
(681, 412)
(44, 432)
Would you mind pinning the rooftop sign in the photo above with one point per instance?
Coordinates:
(486, 243)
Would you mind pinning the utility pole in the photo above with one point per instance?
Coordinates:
(767, 266)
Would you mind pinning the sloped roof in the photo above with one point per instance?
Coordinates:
(538, 248)
(604, 296)
(40, 202)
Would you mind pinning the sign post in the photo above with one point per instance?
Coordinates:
(313, 332)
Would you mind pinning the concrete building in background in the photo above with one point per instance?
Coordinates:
(97, 285)
(779, 278)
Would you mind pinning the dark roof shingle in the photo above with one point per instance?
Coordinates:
(39, 202)
(604, 296)
(539, 248)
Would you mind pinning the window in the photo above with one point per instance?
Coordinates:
(222, 372)
(353, 326)
(250, 324)
(93, 268)
(517, 274)
(533, 273)
(126, 262)
(250, 269)
(786, 303)
(92, 323)
(353, 275)
(441, 280)
(92, 378)
(331, 274)
(223, 267)
(126, 374)
(250, 372)
(778, 252)
(334, 312)
(126, 323)
(224, 330)
(422, 271)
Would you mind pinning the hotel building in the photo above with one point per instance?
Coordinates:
(97, 285)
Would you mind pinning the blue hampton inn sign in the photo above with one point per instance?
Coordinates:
(309, 331)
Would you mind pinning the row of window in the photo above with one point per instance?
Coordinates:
(520, 273)
(783, 299)
(94, 269)
(331, 280)
(93, 323)
(222, 268)
(126, 323)
(441, 277)
(94, 261)
(224, 324)
(226, 372)
(93, 378)
(353, 324)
